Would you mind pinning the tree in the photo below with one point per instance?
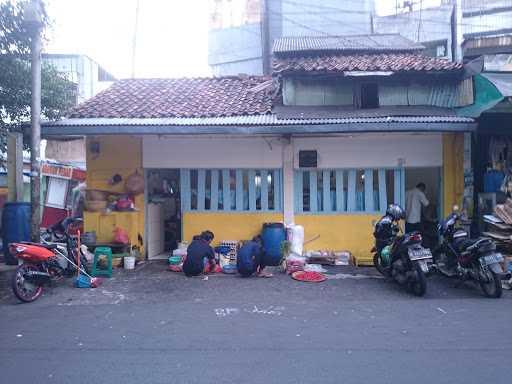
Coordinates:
(57, 93)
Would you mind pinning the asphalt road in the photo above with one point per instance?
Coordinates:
(153, 326)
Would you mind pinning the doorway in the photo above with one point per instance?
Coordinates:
(163, 212)
(431, 215)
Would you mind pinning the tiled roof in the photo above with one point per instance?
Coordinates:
(360, 43)
(180, 98)
(393, 62)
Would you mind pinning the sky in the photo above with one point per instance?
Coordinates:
(172, 38)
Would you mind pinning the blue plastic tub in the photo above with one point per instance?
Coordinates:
(16, 218)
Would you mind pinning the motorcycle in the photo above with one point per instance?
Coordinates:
(45, 263)
(457, 255)
(401, 257)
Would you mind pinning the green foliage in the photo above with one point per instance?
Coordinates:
(57, 93)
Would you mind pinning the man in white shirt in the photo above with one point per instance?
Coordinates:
(415, 199)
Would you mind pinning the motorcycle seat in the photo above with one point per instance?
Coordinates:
(472, 244)
(47, 246)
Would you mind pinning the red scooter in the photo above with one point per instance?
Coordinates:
(42, 264)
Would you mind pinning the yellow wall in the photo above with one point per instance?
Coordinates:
(453, 171)
(121, 155)
(340, 232)
(227, 225)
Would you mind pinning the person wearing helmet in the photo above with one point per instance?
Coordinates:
(386, 227)
(395, 212)
(198, 251)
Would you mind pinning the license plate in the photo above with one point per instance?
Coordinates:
(423, 265)
(420, 253)
(491, 259)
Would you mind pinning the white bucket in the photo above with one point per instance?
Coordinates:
(129, 262)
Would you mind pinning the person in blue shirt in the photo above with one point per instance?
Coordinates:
(198, 251)
(250, 258)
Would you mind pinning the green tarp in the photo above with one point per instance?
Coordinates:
(486, 97)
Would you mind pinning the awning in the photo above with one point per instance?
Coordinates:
(490, 90)
(502, 81)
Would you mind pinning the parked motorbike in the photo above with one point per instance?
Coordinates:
(401, 257)
(469, 259)
(45, 263)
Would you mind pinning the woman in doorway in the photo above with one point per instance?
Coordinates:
(197, 252)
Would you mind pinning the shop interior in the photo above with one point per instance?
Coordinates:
(163, 212)
(492, 151)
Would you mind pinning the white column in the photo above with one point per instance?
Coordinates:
(15, 166)
(288, 194)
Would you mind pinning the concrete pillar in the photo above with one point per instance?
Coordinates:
(288, 193)
(15, 166)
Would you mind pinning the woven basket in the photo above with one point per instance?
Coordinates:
(95, 205)
(95, 194)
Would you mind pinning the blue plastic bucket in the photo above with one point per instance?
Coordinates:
(16, 218)
(229, 269)
(273, 235)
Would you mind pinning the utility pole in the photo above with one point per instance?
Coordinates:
(457, 35)
(265, 38)
(33, 20)
(135, 31)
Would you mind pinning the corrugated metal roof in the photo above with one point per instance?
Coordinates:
(345, 112)
(252, 120)
(366, 43)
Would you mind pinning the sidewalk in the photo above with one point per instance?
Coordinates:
(6, 268)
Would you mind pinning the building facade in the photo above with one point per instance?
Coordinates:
(327, 142)
(242, 32)
(239, 29)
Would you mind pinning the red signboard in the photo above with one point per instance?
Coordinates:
(57, 171)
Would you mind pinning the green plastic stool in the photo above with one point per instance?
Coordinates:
(102, 251)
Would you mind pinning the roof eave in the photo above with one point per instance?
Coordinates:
(281, 129)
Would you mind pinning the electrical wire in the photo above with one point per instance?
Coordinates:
(330, 9)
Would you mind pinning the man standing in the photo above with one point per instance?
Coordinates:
(415, 199)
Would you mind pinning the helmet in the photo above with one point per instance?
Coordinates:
(395, 211)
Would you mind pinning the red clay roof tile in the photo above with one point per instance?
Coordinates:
(184, 97)
(335, 63)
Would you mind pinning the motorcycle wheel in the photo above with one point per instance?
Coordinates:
(492, 288)
(419, 286)
(377, 264)
(24, 290)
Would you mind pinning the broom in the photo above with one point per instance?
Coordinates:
(84, 280)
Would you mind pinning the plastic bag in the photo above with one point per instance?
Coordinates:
(314, 268)
(121, 236)
(296, 238)
(295, 263)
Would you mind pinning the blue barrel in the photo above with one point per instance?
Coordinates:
(16, 219)
(273, 235)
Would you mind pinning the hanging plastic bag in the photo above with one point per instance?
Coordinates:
(121, 236)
